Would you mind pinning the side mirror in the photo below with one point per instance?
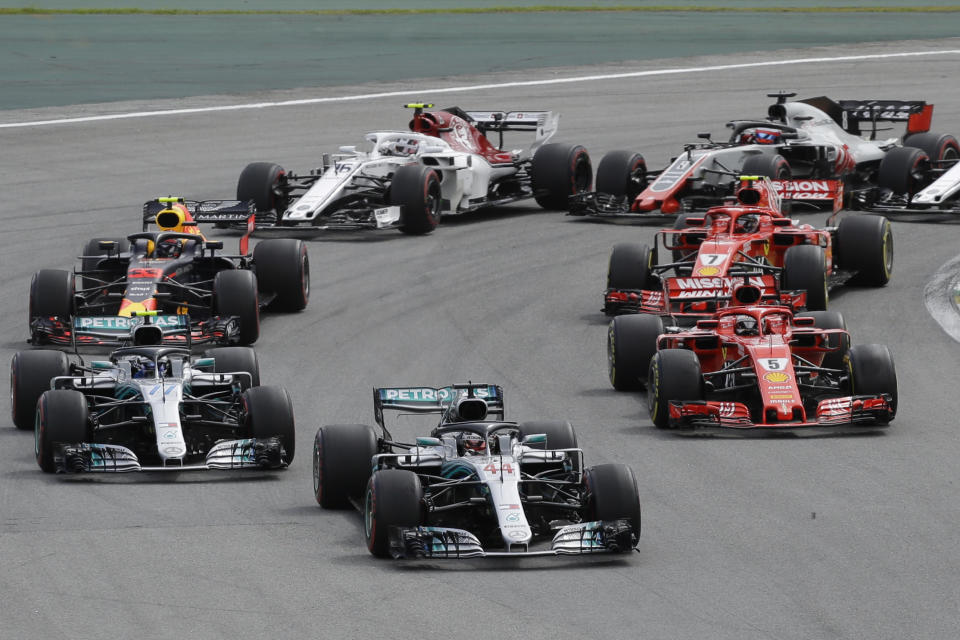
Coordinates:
(423, 441)
(704, 135)
(214, 245)
(348, 148)
(106, 245)
(804, 321)
(781, 222)
(535, 438)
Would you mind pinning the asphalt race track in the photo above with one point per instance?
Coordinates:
(794, 539)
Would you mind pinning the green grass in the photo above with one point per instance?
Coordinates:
(471, 10)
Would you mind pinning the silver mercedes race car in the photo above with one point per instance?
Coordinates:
(477, 486)
(445, 164)
(150, 407)
(817, 151)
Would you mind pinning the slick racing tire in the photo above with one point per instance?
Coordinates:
(62, 417)
(865, 245)
(51, 294)
(283, 269)
(416, 190)
(622, 174)
(263, 182)
(830, 320)
(674, 375)
(871, 371)
(268, 413)
(904, 170)
(394, 498)
(92, 254)
(559, 171)
(30, 375)
(630, 266)
(234, 359)
(938, 146)
(612, 495)
(631, 342)
(342, 459)
(235, 294)
(805, 268)
(560, 434)
(774, 167)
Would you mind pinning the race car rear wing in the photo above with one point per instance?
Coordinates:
(434, 400)
(850, 114)
(543, 123)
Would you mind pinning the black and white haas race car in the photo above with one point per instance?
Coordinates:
(201, 294)
(818, 152)
(477, 486)
(444, 165)
(150, 407)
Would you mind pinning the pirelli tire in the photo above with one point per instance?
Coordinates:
(865, 245)
(236, 359)
(774, 167)
(342, 463)
(631, 343)
(62, 418)
(630, 266)
(394, 498)
(612, 495)
(283, 270)
(939, 147)
(263, 183)
(622, 174)
(871, 371)
(560, 433)
(31, 373)
(268, 413)
(416, 190)
(832, 320)
(92, 255)
(52, 294)
(675, 375)
(559, 171)
(235, 294)
(805, 269)
(904, 170)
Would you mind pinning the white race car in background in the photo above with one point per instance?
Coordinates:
(816, 151)
(444, 164)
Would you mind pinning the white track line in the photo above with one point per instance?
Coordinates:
(478, 87)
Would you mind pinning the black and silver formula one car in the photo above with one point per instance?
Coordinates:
(150, 407)
(206, 295)
(477, 486)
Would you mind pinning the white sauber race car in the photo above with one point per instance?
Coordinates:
(477, 486)
(444, 164)
(932, 188)
(818, 151)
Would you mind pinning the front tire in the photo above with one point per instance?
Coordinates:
(872, 371)
(62, 417)
(559, 171)
(674, 375)
(262, 182)
(235, 294)
(805, 268)
(831, 320)
(630, 266)
(283, 269)
(865, 245)
(51, 294)
(904, 170)
(234, 359)
(268, 413)
(342, 460)
(30, 375)
(93, 254)
(416, 189)
(612, 495)
(560, 434)
(394, 498)
(631, 342)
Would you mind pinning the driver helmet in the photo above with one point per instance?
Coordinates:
(472, 444)
(142, 368)
(748, 223)
(746, 326)
(761, 136)
(401, 147)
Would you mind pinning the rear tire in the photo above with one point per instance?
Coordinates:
(261, 182)
(937, 146)
(774, 167)
(233, 359)
(904, 170)
(394, 498)
(805, 268)
(559, 171)
(283, 269)
(674, 375)
(629, 266)
(612, 495)
(622, 174)
(865, 245)
(631, 342)
(342, 455)
(872, 371)
(30, 375)
(560, 434)
(235, 294)
(62, 417)
(269, 414)
(416, 189)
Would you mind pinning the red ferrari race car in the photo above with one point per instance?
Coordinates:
(818, 151)
(756, 368)
(749, 239)
(174, 273)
